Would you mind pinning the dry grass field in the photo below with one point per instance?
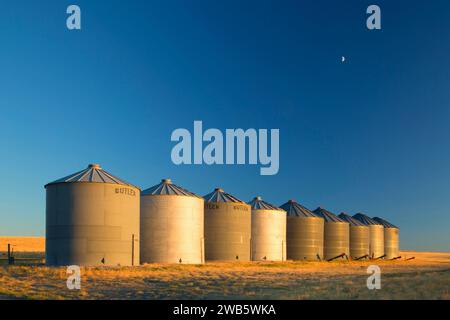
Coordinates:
(23, 244)
(425, 277)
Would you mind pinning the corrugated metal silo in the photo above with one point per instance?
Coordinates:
(227, 227)
(391, 239)
(172, 224)
(304, 232)
(268, 231)
(336, 234)
(92, 218)
(359, 237)
(376, 233)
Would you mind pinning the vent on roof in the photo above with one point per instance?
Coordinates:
(349, 219)
(295, 209)
(218, 195)
(93, 173)
(384, 223)
(166, 187)
(327, 215)
(365, 219)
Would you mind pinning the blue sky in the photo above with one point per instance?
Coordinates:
(370, 134)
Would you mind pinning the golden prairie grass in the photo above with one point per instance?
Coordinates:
(425, 277)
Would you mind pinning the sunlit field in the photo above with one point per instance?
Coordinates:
(23, 244)
(425, 277)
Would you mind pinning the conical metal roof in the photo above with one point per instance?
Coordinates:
(352, 221)
(327, 215)
(295, 209)
(166, 187)
(365, 219)
(218, 195)
(385, 223)
(93, 173)
(259, 204)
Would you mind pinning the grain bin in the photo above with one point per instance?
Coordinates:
(391, 239)
(171, 225)
(359, 237)
(268, 231)
(227, 227)
(336, 235)
(376, 234)
(92, 218)
(304, 232)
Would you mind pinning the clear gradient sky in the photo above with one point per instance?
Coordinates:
(370, 134)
